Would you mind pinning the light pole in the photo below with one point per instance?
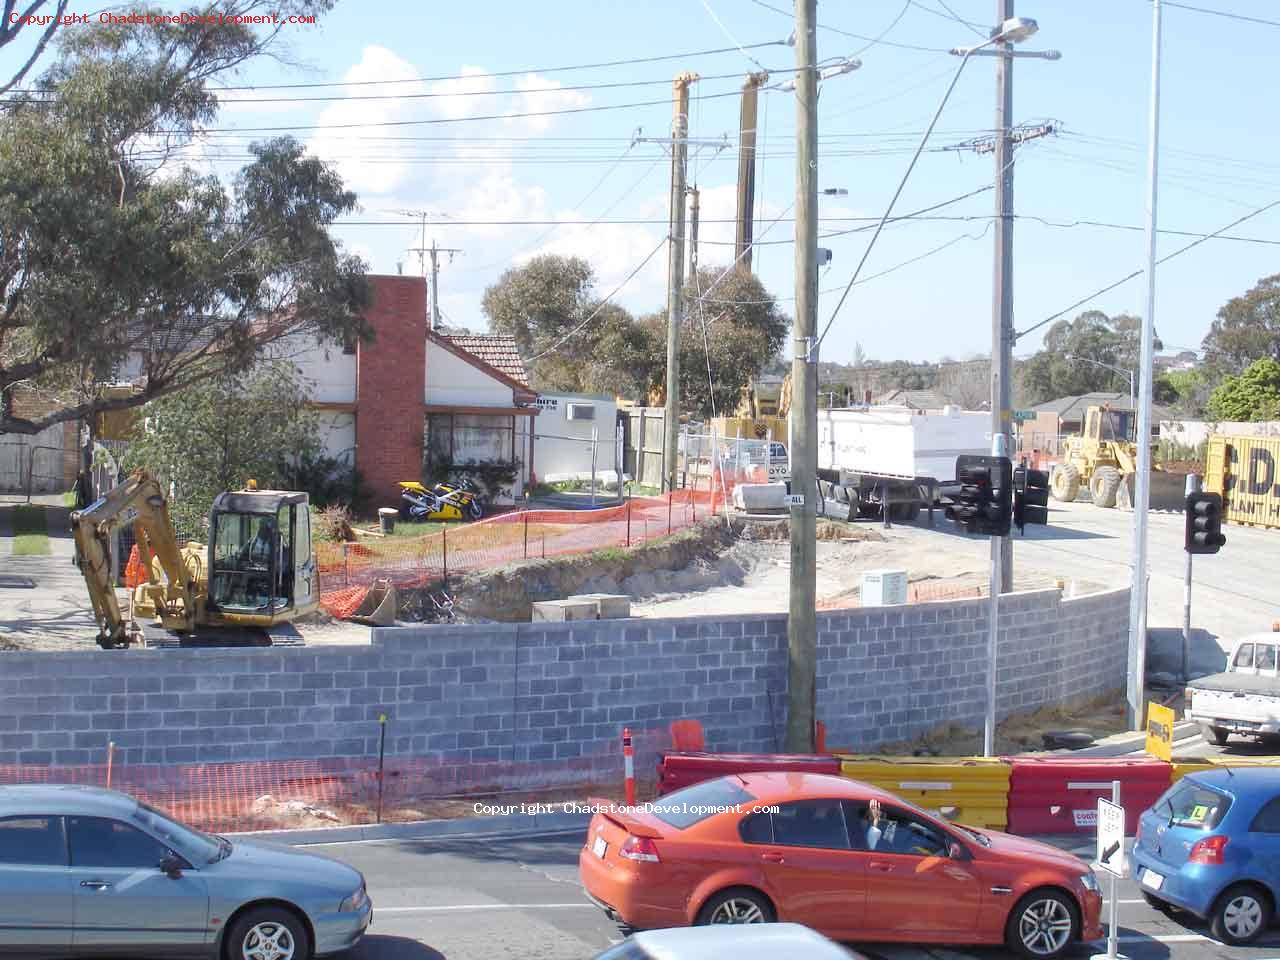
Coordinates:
(1133, 408)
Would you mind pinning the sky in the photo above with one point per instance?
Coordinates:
(422, 145)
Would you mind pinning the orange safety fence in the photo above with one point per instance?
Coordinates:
(347, 570)
(280, 794)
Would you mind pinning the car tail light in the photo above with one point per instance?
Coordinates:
(1208, 851)
(640, 848)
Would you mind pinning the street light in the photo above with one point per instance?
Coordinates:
(1133, 409)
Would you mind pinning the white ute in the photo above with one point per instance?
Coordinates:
(1245, 699)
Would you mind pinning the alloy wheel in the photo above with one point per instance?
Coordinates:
(268, 941)
(738, 910)
(1045, 927)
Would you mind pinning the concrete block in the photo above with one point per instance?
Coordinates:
(564, 611)
(610, 606)
(759, 497)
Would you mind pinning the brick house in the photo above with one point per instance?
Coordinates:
(46, 462)
(414, 391)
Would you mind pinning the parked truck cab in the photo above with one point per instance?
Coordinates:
(1245, 698)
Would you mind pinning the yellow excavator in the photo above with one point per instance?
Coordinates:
(257, 572)
(1105, 462)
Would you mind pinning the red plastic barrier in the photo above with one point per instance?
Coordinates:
(1060, 795)
(679, 770)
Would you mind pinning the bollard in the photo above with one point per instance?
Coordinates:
(628, 523)
(629, 766)
(111, 753)
(670, 497)
(382, 750)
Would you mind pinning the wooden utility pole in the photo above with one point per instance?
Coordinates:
(747, 168)
(802, 628)
(434, 253)
(1002, 281)
(675, 274)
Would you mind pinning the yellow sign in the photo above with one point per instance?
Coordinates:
(1160, 731)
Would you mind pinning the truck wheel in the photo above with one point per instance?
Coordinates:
(1065, 483)
(1214, 735)
(1103, 486)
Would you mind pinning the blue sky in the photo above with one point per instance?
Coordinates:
(1218, 160)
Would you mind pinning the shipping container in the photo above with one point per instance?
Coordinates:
(1246, 472)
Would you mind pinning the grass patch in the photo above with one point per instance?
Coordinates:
(69, 499)
(30, 532)
(406, 528)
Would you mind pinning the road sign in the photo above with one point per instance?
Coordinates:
(795, 499)
(1111, 837)
(1160, 732)
(1023, 416)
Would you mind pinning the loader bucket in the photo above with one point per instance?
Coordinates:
(1168, 491)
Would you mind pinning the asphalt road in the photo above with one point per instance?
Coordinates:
(483, 899)
(1234, 591)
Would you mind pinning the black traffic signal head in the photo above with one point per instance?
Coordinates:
(984, 504)
(1030, 497)
(1204, 523)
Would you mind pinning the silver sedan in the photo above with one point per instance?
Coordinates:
(92, 872)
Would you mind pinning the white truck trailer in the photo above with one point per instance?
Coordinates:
(870, 457)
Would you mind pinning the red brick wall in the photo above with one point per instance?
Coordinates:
(391, 386)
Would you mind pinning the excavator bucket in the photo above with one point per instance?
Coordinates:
(379, 606)
(1168, 491)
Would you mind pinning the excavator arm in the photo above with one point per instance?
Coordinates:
(140, 501)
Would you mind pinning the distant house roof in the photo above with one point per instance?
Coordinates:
(1073, 408)
(915, 399)
(499, 352)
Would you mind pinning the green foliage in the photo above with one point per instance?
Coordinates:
(110, 248)
(326, 480)
(219, 434)
(1171, 451)
(1253, 395)
(491, 478)
(1092, 336)
(1247, 329)
(1186, 392)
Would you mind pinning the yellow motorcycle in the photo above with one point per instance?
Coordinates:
(444, 501)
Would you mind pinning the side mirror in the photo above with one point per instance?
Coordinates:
(172, 865)
(957, 851)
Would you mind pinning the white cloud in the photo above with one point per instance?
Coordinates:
(457, 97)
(540, 95)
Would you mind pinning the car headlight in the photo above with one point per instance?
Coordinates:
(355, 901)
(1090, 882)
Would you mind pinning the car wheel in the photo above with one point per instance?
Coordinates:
(268, 933)
(738, 905)
(1214, 735)
(1042, 926)
(1241, 914)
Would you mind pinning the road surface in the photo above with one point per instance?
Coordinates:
(482, 899)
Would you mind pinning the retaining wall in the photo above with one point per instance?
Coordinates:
(536, 692)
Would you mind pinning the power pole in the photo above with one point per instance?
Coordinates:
(675, 273)
(695, 193)
(747, 168)
(1002, 283)
(1136, 687)
(802, 627)
(433, 251)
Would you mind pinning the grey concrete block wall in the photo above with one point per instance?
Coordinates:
(545, 692)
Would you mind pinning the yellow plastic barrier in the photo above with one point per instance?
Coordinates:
(969, 790)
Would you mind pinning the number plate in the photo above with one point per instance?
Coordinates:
(599, 847)
(1152, 881)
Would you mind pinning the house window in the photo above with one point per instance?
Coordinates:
(349, 346)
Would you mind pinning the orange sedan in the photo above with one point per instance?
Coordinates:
(842, 857)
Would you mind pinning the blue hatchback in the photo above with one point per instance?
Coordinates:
(1211, 846)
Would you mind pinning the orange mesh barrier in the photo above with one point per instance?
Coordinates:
(233, 797)
(347, 570)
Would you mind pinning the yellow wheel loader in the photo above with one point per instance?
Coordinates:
(1104, 461)
(257, 572)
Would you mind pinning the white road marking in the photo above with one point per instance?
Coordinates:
(1169, 938)
(530, 835)
(487, 906)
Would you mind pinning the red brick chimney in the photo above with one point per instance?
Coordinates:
(391, 387)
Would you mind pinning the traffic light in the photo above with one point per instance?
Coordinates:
(1204, 523)
(984, 503)
(1030, 497)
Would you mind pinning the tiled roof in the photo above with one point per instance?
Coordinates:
(498, 352)
(915, 399)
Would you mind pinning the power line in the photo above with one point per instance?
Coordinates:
(1181, 250)
(442, 120)
(1221, 13)
(732, 39)
(951, 15)
(885, 32)
(856, 36)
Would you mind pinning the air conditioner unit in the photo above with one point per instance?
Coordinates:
(580, 411)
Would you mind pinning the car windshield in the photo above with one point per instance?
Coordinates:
(195, 846)
(694, 804)
(1190, 804)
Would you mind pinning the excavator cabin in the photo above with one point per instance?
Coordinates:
(256, 538)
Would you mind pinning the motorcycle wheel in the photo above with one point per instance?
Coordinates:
(475, 508)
